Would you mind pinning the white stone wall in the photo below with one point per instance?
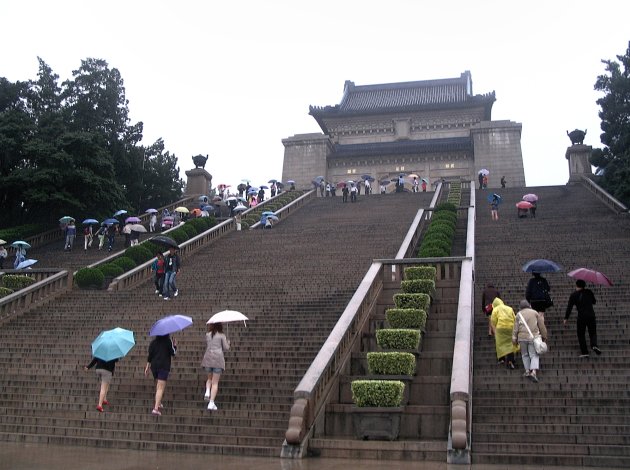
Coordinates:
(305, 158)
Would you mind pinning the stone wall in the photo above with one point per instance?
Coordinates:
(305, 157)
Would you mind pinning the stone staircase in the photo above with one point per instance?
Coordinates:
(293, 282)
(579, 412)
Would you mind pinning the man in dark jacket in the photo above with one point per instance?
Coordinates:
(584, 299)
(172, 265)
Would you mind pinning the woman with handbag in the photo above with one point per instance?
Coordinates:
(528, 326)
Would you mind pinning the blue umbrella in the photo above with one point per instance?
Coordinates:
(20, 244)
(113, 344)
(26, 263)
(120, 212)
(207, 208)
(493, 196)
(170, 324)
(90, 222)
(110, 222)
(268, 213)
(151, 211)
(541, 266)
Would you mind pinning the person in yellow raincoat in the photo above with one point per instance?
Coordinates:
(502, 321)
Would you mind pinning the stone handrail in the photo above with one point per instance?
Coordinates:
(50, 284)
(604, 196)
(462, 373)
(285, 211)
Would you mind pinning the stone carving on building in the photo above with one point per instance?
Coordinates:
(577, 136)
(200, 161)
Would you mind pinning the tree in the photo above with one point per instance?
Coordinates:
(613, 161)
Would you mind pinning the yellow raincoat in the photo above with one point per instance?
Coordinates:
(502, 320)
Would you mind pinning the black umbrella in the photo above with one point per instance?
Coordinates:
(166, 241)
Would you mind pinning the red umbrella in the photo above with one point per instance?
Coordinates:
(589, 275)
(524, 205)
(341, 184)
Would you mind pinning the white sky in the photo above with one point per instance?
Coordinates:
(231, 79)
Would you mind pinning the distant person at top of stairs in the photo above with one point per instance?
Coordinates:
(487, 297)
(503, 182)
(537, 293)
(520, 336)
(584, 299)
(503, 323)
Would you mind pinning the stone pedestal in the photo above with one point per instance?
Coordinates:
(198, 183)
(579, 165)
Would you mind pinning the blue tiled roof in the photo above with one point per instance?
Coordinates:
(402, 147)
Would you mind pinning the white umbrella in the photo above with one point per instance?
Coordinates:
(127, 229)
(138, 228)
(227, 316)
(484, 172)
(26, 263)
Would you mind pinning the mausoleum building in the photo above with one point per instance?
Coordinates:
(434, 128)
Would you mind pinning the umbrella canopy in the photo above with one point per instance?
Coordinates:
(2, 242)
(166, 222)
(196, 212)
(138, 228)
(240, 208)
(127, 229)
(590, 275)
(242, 187)
(291, 181)
(216, 198)
(385, 182)
(151, 211)
(225, 185)
(203, 197)
(182, 209)
(280, 184)
(113, 344)
(350, 182)
(541, 266)
(263, 187)
(341, 184)
(90, 222)
(165, 241)
(227, 316)
(246, 180)
(530, 198)
(20, 244)
(241, 199)
(170, 324)
(493, 196)
(425, 180)
(273, 217)
(319, 178)
(231, 198)
(110, 221)
(367, 177)
(66, 219)
(120, 212)
(484, 172)
(132, 220)
(524, 205)
(26, 263)
(208, 208)
(272, 181)
(268, 213)
(413, 175)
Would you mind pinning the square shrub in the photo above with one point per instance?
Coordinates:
(377, 393)
(16, 281)
(392, 338)
(406, 317)
(391, 363)
(5, 291)
(420, 272)
(421, 301)
(418, 286)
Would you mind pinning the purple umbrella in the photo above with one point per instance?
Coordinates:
(132, 220)
(170, 324)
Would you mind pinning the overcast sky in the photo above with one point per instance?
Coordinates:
(232, 79)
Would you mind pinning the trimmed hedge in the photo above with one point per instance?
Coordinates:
(89, 277)
(190, 230)
(446, 206)
(111, 270)
(420, 272)
(437, 243)
(127, 264)
(179, 235)
(153, 248)
(4, 291)
(418, 286)
(377, 393)
(23, 231)
(139, 253)
(16, 281)
(432, 252)
(391, 363)
(421, 301)
(392, 338)
(406, 317)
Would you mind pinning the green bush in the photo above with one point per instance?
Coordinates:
(111, 270)
(4, 291)
(190, 230)
(443, 227)
(179, 235)
(391, 363)
(127, 264)
(406, 317)
(446, 206)
(432, 252)
(89, 277)
(421, 301)
(448, 218)
(437, 243)
(418, 286)
(420, 272)
(139, 254)
(21, 232)
(200, 224)
(437, 235)
(15, 281)
(392, 338)
(377, 393)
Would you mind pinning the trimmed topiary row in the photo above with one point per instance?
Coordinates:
(16, 281)
(377, 393)
(398, 338)
(406, 317)
(438, 238)
(391, 363)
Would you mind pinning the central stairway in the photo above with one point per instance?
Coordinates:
(292, 281)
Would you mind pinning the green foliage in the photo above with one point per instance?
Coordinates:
(377, 393)
(406, 317)
(4, 291)
(418, 286)
(16, 282)
(139, 254)
(200, 224)
(446, 206)
(190, 230)
(89, 277)
(436, 243)
(391, 363)
(441, 227)
(111, 270)
(420, 272)
(21, 232)
(613, 161)
(153, 248)
(432, 252)
(127, 264)
(391, 338)
(421, 301)
(179, 235)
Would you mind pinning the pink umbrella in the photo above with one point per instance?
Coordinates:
(132, 220)
(589, 275)
(524, 205)
(530, 198)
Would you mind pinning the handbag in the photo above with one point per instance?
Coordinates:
(539, 345)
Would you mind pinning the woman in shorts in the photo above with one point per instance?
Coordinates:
(105, 370)
(213, 361)
(161, 349)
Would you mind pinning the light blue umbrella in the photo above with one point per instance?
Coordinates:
(90, 222)
(20, 244)
(120, 212)
(66, 219)
(268, 213)
(110, 222)
(27, 263)
(113, 344)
